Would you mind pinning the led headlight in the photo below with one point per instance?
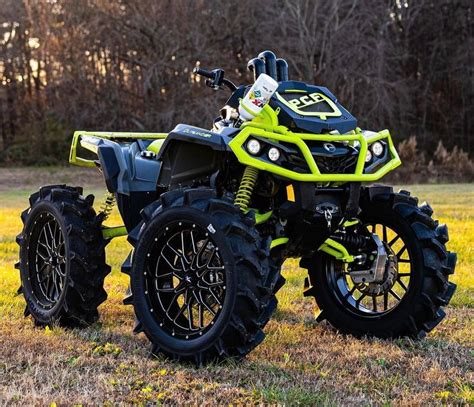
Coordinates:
(253, 146)
(368, 156)
(377, 148)
(273, 154)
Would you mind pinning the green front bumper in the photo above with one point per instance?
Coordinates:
(266, 127)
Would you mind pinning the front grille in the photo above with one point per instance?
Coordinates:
(296, 163)
(336, 164)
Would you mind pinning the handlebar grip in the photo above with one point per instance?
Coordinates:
(203, 72)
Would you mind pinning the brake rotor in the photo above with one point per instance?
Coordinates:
(390, 276)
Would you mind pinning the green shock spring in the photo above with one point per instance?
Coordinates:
(108, 205)
(247, 184)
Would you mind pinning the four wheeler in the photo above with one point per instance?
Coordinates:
(213, 214)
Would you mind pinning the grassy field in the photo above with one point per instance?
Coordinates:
(299, 363)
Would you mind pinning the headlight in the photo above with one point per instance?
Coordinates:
(377, 148)
(368, 156)
(274, 154)
(253, 146)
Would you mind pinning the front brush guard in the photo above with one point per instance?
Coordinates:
(266, 126)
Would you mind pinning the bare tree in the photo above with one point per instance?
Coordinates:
(126, 64)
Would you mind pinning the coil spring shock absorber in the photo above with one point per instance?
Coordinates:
(351, 241)
(107, 205)
(247, 184)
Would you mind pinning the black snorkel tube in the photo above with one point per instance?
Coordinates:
(269, 59)
(267, 63)
(282, 70)
(257, 66)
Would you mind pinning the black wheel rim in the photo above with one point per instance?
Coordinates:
(47, 260)
(375, 299)
(185, 280)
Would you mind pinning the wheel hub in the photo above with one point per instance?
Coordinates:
(187, 288)
(49, 260)
(384, 293)
(375, 273)
(389, 278)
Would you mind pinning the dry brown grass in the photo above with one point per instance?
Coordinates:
(299, 363)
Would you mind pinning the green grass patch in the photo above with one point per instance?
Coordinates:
(299, 363)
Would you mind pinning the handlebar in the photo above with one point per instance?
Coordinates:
(215, 78)
(203, 72)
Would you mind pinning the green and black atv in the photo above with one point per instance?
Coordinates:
(213, 214)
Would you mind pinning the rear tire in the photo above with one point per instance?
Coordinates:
(428, 290)
(62, 258)
(243, 302)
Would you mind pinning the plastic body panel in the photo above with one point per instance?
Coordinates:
(125, 169)
(315, 122)
(190, 153)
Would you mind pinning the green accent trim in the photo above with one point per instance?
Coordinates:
(156, 145)
(110, 233)
(73, 158)
(246, 109)
(122, 135)
(85, 138)
(348, 223)
(265, 125)
(323, 115)
(262, 217)
(295, 91)
(278, 242)
(267, 119)
(336, 250)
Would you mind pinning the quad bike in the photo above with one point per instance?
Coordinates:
(213, 214)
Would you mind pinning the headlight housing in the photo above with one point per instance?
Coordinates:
(368, 156)
(377, 148)
(273, 154)
(253, 146)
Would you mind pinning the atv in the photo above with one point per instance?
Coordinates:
(285, 172)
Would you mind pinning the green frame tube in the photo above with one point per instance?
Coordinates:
(113, 232)
(336, 250)
(266, 126)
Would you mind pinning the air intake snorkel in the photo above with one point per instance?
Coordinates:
(257, 66)
(266, 62)
(282, 70)
(270, 63)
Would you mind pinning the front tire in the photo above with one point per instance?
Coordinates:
(200, 279)
(409, 301)
(62, 258)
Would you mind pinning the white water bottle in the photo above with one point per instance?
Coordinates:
(257, 97)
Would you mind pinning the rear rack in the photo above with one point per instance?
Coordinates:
(85, 139)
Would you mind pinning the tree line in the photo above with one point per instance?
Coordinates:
(127, 65)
